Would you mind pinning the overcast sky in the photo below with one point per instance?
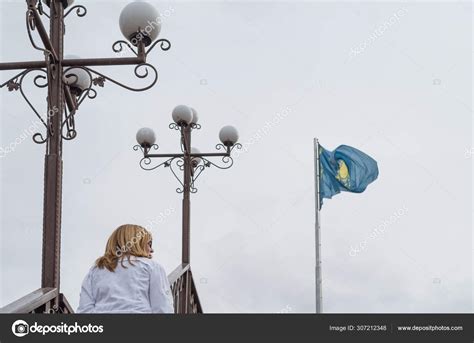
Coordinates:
(392, 79)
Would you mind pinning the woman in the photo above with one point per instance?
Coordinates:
(126, 279)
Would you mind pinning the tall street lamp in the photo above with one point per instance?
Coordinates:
(191, 162)
(70, 81)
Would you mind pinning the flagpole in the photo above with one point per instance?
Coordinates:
(318, 278)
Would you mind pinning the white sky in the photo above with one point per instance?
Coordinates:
(405, 99)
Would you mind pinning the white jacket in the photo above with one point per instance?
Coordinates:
(139, 288)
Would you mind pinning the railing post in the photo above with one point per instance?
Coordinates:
(183, 293)
(188, 292)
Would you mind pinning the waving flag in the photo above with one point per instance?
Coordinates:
(345, 169)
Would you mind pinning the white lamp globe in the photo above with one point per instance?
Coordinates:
(195, 116)
(182, 114)
(146, 137)
(195, 160)
(77, 78)
(140, 21)
(228, 135)
(66, 3)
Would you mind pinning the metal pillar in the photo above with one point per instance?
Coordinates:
(186, 193)
(53, 159)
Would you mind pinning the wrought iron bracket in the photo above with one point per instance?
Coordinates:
(198, 162)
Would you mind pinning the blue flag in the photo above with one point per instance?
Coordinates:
(345, 169)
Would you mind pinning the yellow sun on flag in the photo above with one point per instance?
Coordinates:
(343, 173)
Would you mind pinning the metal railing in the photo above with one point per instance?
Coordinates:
(185, 297)
(49, 300)
(43, 300)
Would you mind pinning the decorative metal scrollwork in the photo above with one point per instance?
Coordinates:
(227, 160)
(81, 11)
(98, 79)
(13, 85)
(39, 7)
(41, 81)
(177, 162)
(95, 79)
(137, 71)
(198, 163)
(174, 126)
(172, 163)
(31, 26)
(164, 45)
(197, 171)
(117, 47)
(69, 124)
(145, 162)
(147, 149)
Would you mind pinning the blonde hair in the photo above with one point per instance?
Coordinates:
(127, 240)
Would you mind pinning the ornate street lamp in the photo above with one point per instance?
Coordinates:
(70, 81)
(191, 162)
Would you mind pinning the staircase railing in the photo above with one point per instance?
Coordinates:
(43, 300)
(186, 299)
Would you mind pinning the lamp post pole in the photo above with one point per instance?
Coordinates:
(186, 244)
(191, 162)
(53, 160)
